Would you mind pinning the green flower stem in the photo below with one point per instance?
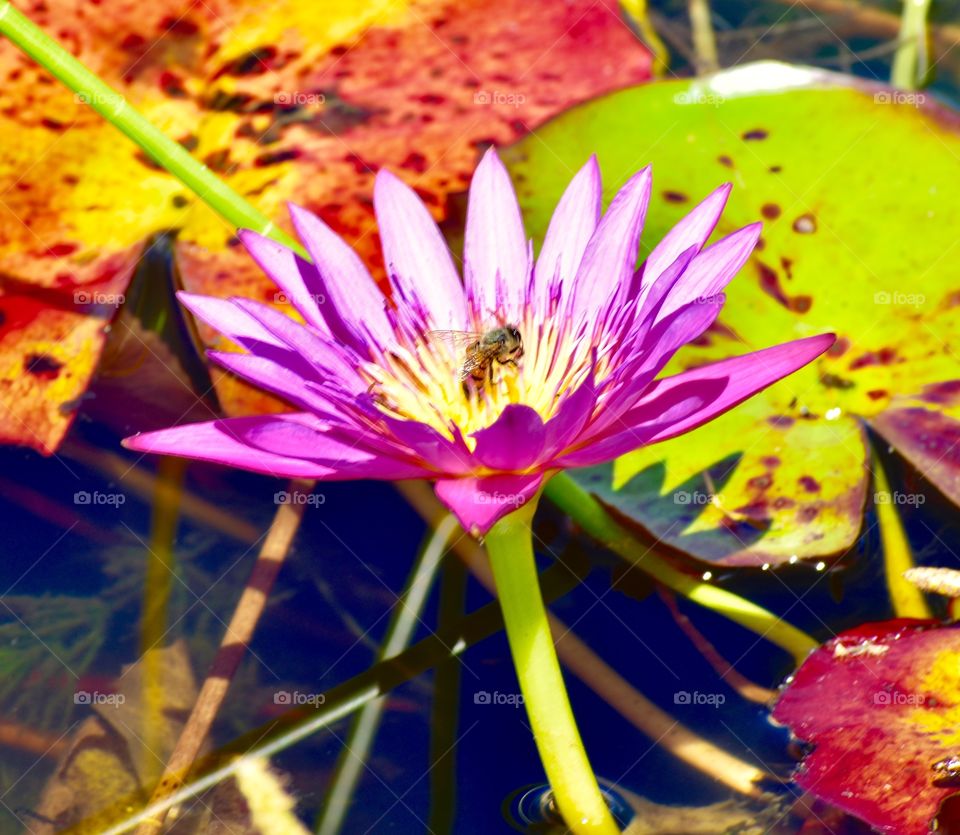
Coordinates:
(575, 790)
(587, 512)
(114, 108)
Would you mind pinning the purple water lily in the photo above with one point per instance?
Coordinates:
(382, 389)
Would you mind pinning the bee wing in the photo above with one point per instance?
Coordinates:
(457, 340)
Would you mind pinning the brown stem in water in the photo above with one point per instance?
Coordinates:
(240, 630)
(746, 688)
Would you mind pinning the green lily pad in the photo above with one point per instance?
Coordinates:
(857, 188)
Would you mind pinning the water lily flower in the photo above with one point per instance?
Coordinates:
(382, 387)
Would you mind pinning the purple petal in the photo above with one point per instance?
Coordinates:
(416, 256)
(572, 226)
(611, 256)
(677, 404)
(334, 361)
(575, 410)
(712, 269)
(495, 254)
(230, 320)
(299, 280)
(693, 230)
(426, 443)
(232, 442)
(351, 289)
(479, 502)
(273, 375)
(513, 442)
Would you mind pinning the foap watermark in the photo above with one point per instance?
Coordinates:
(898, 298)
(85, 298)
(299, 497)
(294, 698)
(716, 298)
(896, 497)
(94, 697)
(896, 698)
(685, 697)
(696, 497)
(488, 97)
(497, 498)
(899, 97)
(485, 697)
(298, 98)
(97, 99)
(98, 498)
(697, 97)
(282, 298)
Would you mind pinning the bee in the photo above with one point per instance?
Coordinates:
(483, 351)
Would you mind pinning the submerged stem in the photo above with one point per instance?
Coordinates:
(587, 512)
(907, 600)
(575, 790)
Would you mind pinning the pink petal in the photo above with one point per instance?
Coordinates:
(677, 404)
(230, 320)
(416, 256)
(575, 410)
(495, 255)
(479, 502)
(352, 291)
(693, 230)
(271, 375)
(427, 444)
(572, 226)
(712, 269)
(611, 256)
(232, 442)
(514, 441)
(299, 280)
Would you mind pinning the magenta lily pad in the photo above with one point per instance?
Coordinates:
(857, 240)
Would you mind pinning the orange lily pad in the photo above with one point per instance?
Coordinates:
(881, 706)
(294, 101)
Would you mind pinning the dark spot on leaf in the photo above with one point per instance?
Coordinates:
(775, 169)
(276, 157)
(782, 502)
(771, 211)
(770, 461)
(808, 513)
(780, 421)
(761, 244)
(172, 85)
(761, 482)
(415, 162)
(806, 224)
(885, 356)
(182, 26)
(723, 159)
(62, 250)
(787, 265)
(52, 124)
(809, 483)
(755, 135)
(839, 348)
(190, 142)
(834, 381)
(877, 394)
(218, 161)
(675, 197)
(431, 98)
(43, 366)
(179, 201)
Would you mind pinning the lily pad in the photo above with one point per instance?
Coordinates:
(883, 747)
(292, 101)
(857, 240)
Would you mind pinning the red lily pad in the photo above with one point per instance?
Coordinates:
(881, 706)
(851, 244)
(293, 101)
